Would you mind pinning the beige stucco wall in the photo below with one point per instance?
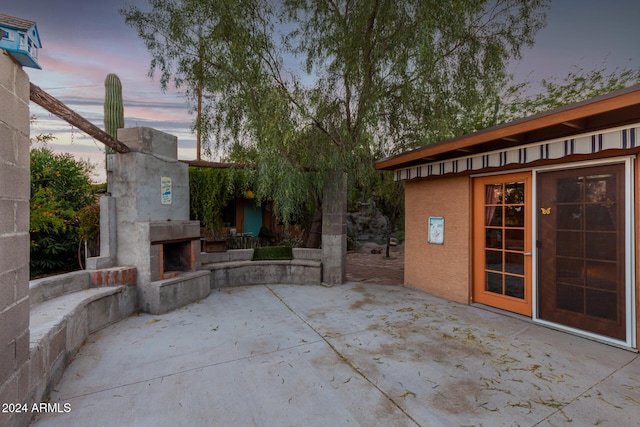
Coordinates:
(442, 270)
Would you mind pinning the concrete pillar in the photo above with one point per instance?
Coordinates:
(334, 230)
(14, 237)
(108, 242)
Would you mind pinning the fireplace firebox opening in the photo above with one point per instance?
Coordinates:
(176, 257)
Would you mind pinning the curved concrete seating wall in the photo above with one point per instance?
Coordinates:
(44, 289)
(41, 290)
(235, 268)
(65, 309)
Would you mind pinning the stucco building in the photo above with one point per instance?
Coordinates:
(535, 217)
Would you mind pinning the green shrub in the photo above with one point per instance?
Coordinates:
(60, 188)
(273, 253)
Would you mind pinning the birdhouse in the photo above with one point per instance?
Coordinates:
(20, 39)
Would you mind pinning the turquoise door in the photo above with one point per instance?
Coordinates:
(252, 217)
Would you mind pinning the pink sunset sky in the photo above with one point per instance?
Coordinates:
(83, 41)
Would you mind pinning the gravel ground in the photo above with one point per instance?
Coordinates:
(363, 266)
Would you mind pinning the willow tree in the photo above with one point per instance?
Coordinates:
(577, 85)
(325, 85)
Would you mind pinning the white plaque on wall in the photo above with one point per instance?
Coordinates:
(165, 190)
(436, 230)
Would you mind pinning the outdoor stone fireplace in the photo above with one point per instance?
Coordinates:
(146, 215)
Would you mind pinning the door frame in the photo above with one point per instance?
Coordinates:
(630, 291)
(525, 306)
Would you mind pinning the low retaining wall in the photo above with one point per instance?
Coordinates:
(50, 287)
(235, 268)
(65, 309)
(165, 295)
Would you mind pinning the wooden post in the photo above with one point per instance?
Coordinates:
(56, 107)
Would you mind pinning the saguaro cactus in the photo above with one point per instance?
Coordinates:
(113, 107)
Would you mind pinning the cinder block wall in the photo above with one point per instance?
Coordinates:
(14, 237)
(334, 230)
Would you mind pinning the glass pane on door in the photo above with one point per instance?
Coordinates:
(504, 259)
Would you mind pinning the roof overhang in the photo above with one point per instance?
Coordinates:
(617, 108)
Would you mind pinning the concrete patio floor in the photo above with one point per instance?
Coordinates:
(357, 354)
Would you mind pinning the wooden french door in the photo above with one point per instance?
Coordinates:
(502, 242)
(581, 248)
